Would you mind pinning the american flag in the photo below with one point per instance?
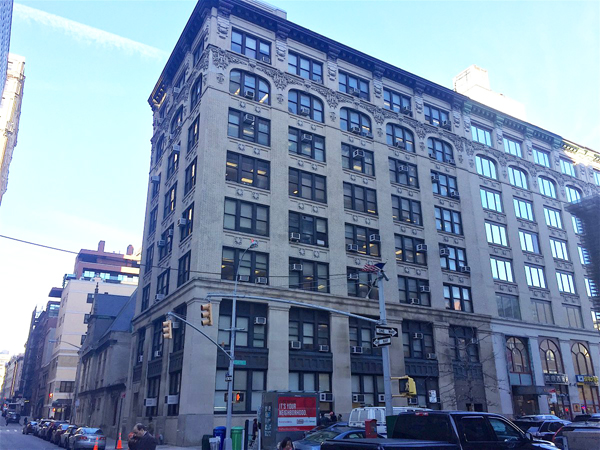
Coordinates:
(373, 268)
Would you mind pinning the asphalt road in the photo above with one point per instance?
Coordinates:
(12, 438)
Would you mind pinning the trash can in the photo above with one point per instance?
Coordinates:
(220, 433)
(236, 437)
(214, 443)
(206, 441)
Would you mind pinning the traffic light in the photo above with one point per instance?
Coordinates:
(407, 386)
(238, 397)
(207, 319)
(167, 329)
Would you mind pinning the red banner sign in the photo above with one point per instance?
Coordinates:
(297, 413)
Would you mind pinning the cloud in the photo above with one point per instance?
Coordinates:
(87, 34)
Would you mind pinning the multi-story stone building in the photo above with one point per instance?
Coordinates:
(6, 9)
(12, 377)
(329, 159)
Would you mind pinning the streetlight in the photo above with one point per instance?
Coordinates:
(228, 442)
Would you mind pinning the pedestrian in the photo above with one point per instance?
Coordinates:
(339, 417)
(254, 430)
(286, 444)
(145, 441)
(332, 417)
(325, 420)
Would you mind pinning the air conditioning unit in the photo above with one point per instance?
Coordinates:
(321, 242)
(446, 124)
(374, 238)
(294, 237)
(295, 345)
(140, 359)
(304, 111)
(353, 276)
(352, 247)
(149, 402)
(306, 137)
(155, 179)
(260, 321)
(358, 398)
(261, 280)
(356, 350)
(159, 297)
(249, 94)
(381, 398)
(176, 90)
(358, 153)
(182, 222)
(265, 59)
(424, 289)
(249, 118)
(296, 267)
(421, 247)
(170, 232)
(417, 335)
(451, 161)
(355, 130)
(354, 91)
(172, 399)
(157, 353)
(325, 397)
(465, 269)
(454, 194)
(403, 168)
(435, 177)
(324, 348)
(444, 252)
(244, 278)
(406, 110)
(317, 78)
(413, 401)
(431, 356)
(414, 301)
(176, 148)
(367, 134)
(399, 144)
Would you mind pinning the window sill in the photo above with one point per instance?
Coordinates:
(356, 172)
(254, 102)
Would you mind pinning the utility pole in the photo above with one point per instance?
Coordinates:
(385, 351)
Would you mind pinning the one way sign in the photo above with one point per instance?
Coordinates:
(386, 331)
(382, 341)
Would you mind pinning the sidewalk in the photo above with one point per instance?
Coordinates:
(111, 444)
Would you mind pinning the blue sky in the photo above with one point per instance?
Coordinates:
(79, 172)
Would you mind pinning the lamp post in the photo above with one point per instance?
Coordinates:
(228, 442)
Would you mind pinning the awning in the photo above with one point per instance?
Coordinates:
(62, 402)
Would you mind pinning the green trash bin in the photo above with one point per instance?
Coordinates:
(236, 437)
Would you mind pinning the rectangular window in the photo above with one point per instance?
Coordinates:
(362, 284)
(310, 327)
(597, 177)
(552, 217)
(145, 297)
(395, 101)
(252, 334)
(305, 67)
(577, 225)
(309, 275)
(512, 147)
(353, 85)
(535, 276)
(438, 117)
(193, 134)
(403, 173)
(464, 344)
(367, 240)
(190, 177)
(249, 127)
(253, 268)
(66, 386)
(251, 46)
(152, 393)
(246, 217)
(162, 282)
(542, 311)
(179, 333)
(566, 283)
(307, 185)
(172, 163)
(149, 261)
(186, 223)
(153, 220)
(358, 160)
(448, 220)
(508, 306)
(247, 170)
(481, 135)
(559, 249)
(443, 184)
(165, 244)
(417, 339)
(406, 210)
(491, 200)
(407, 250)
(361, 335)
(567, 167)
(157, 339)
(591, 288)
(360, 198)
(183, 271)
(251, 383)
(414, 291)
(529, 241)
(311, 230)
(452, 258)
(174, 390)
(306, 144)
(584, 256)
(496, 234)
(541, 157)
(458, 298)
(170, 201)
(156, 186)
(141, 342)
(198, 51)
(501, 269)
(574, 316)
(523, 209)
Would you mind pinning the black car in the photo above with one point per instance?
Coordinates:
(12, 417)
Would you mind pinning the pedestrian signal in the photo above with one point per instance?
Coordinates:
(407, 386)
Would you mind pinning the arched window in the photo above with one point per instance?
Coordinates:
(177, 120)
(516, 353)
(249, 86)
(196, 91)
(400, 137)
(160, 148)
(547, 187)
(355, 122)
(550, 355)
(440, 150)
(573, 194)
(517, 177)
(581, 359)
(305, 105)
(486, 167)
(588, 395)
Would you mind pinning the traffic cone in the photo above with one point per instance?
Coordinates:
(119, 444)
(96, 445)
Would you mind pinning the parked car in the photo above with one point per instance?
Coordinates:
(85, 437)
(39, 429)
(44, 428)
(29, 427)
(587, 418)
(313, 440)
(64, 437)
(331, 426)
(53, 426)
(12, 417)
(60, 429)
(578, 436)
(358, 416)
(542, 429)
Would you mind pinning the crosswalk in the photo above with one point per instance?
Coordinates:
(8, 430)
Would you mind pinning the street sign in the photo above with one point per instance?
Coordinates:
(386, 331)
(239, 362)
(382, 342)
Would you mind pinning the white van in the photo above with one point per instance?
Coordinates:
(359, 416)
